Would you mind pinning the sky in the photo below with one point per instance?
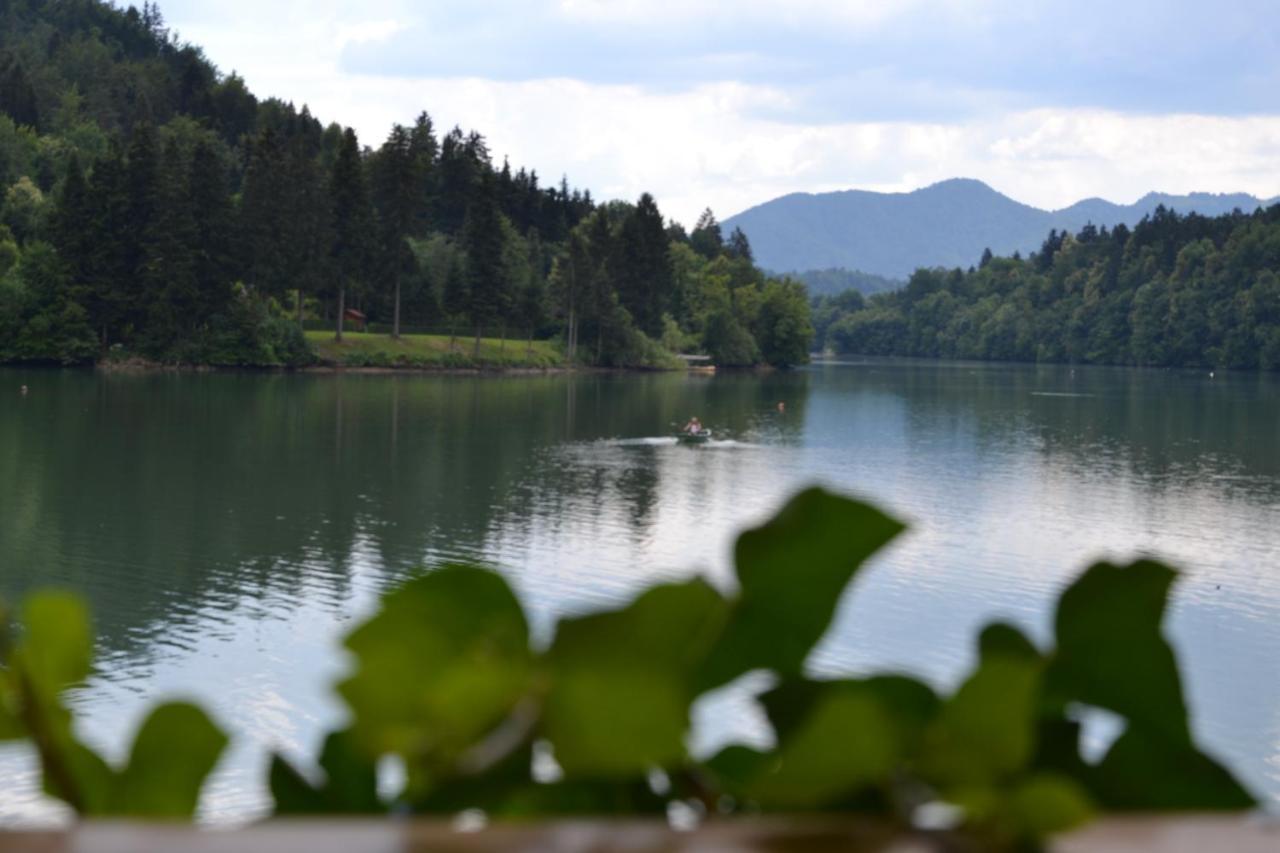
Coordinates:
(726, 105)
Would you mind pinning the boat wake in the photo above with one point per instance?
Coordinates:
(671, 441)
(658, 441)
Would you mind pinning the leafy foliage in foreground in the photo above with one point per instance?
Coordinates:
(176, 748)
(448, 681)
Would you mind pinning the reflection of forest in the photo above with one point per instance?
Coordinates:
(1162, 429)
(165, 496)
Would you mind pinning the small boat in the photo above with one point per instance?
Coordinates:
(701, 437)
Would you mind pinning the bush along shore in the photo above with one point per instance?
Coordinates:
(447, 679)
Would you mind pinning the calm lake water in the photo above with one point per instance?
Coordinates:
(228, 528)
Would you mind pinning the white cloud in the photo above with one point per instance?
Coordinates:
(732, 145)
(856, 14)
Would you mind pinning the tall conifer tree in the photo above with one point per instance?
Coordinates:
(214, 223)
(396, 197)
(483, 240)
(352, 222)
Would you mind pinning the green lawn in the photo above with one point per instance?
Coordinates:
(368, 350)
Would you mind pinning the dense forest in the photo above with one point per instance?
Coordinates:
(154, 207)
(1174, 291)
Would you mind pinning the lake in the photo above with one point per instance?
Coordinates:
(228, 528)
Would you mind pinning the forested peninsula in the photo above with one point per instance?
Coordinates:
(1174, 291)
(154, 208)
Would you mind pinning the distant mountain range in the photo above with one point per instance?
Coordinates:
(947, 225)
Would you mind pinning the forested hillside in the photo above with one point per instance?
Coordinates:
(153, 206)
(1175, 291)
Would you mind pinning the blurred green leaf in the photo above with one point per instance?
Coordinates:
(986, 731)
(10, 726)
(445, 678)
(350, 783)
(1016, 815)
(6, 634)
(599, 797)
(1111, 652)
(293, 794)
(54, 653)
(792, 572)
(1002, 639)
(910, 704)
(1045, 804)
(1058, 747)
(848, 742)
(735, 766)
(442, 662)
(1145, 771)
(622, 681)
(490, 790)
(74, 773)
(175, 750)
(57, 646)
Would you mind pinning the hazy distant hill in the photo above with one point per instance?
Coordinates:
(947, 224)
(829, 282)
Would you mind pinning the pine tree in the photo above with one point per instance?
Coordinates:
(601, 298)
(642, 266)
(531, 307)
(214, 229)
(456, 296)
(483, 241)
(456, 174)
(170, 291)
(108, 271)
(71, 225)
(707, 239)
(739, 247)
(423, 151)
(396, 199)
(309, 230)
(352, 222)
(571, 277)
(265, 217)
(17, 97)
(142, 178)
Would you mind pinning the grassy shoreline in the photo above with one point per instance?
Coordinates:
(367, 350)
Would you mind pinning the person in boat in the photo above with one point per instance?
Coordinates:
(694, 426)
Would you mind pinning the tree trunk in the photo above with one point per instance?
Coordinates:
(573, 332)
(477, 352)
(301, 322)
(342, 311)
(395, 323)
